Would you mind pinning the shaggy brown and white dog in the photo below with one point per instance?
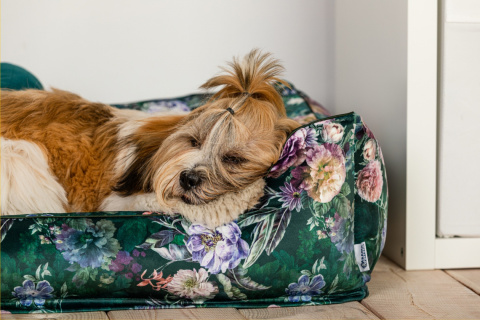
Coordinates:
(62, 153)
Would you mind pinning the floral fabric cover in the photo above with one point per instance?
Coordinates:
(314, 238)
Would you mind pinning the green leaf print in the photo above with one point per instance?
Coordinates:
(341, 205)
(132, 233)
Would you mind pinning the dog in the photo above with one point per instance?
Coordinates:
(62, 153)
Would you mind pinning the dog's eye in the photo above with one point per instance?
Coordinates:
(233, 159)
(195, 143)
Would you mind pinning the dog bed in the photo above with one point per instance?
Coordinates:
(314, 237)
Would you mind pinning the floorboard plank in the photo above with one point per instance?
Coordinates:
(164, 314)
(350, 310)
(468, 277)
(98, 315)
(399, 294)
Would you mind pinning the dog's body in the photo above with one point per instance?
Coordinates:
(61, 153)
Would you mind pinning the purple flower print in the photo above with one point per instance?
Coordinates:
(88, 247)
(305, 288)
(294, 151)
(166, 105)
(27, 293)
(290, 196)
(136, 268)
(299, 174)
(123, 258)
(310, 137)
(384, 235)
(116, 267)
(366, 277)
(219, 249)
(342, 235)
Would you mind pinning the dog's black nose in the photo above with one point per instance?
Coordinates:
(189, 179)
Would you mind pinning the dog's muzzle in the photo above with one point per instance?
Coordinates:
(189, 180)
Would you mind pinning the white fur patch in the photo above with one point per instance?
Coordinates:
(138, 202)
(27, 185)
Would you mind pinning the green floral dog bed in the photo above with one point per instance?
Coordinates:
(314, 238)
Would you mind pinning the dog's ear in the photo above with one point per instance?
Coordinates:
(286, 125)
(146, 141)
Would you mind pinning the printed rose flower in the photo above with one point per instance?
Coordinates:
(192, 285)
(88, 247)
(325, 175)
(342, 235)
(305, 289)
(294, 151)
(27, 293)
(369, 150)
(290, 196)
(370, 182)
(332, 132)
(217, 250)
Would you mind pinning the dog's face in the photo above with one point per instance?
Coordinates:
(213, 151)
(223, 146)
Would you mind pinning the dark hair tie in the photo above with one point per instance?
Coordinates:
(231, 111)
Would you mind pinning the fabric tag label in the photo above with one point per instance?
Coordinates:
(361, 256)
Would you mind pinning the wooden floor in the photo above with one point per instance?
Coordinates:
(394, 294)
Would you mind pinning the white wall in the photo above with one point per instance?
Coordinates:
(371, 78)
(127, 50)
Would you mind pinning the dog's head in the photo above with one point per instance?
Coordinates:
(223, 146)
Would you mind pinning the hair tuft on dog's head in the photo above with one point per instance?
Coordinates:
(253, 77)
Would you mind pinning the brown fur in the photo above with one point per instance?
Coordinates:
(78, 137)
(228, 152)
